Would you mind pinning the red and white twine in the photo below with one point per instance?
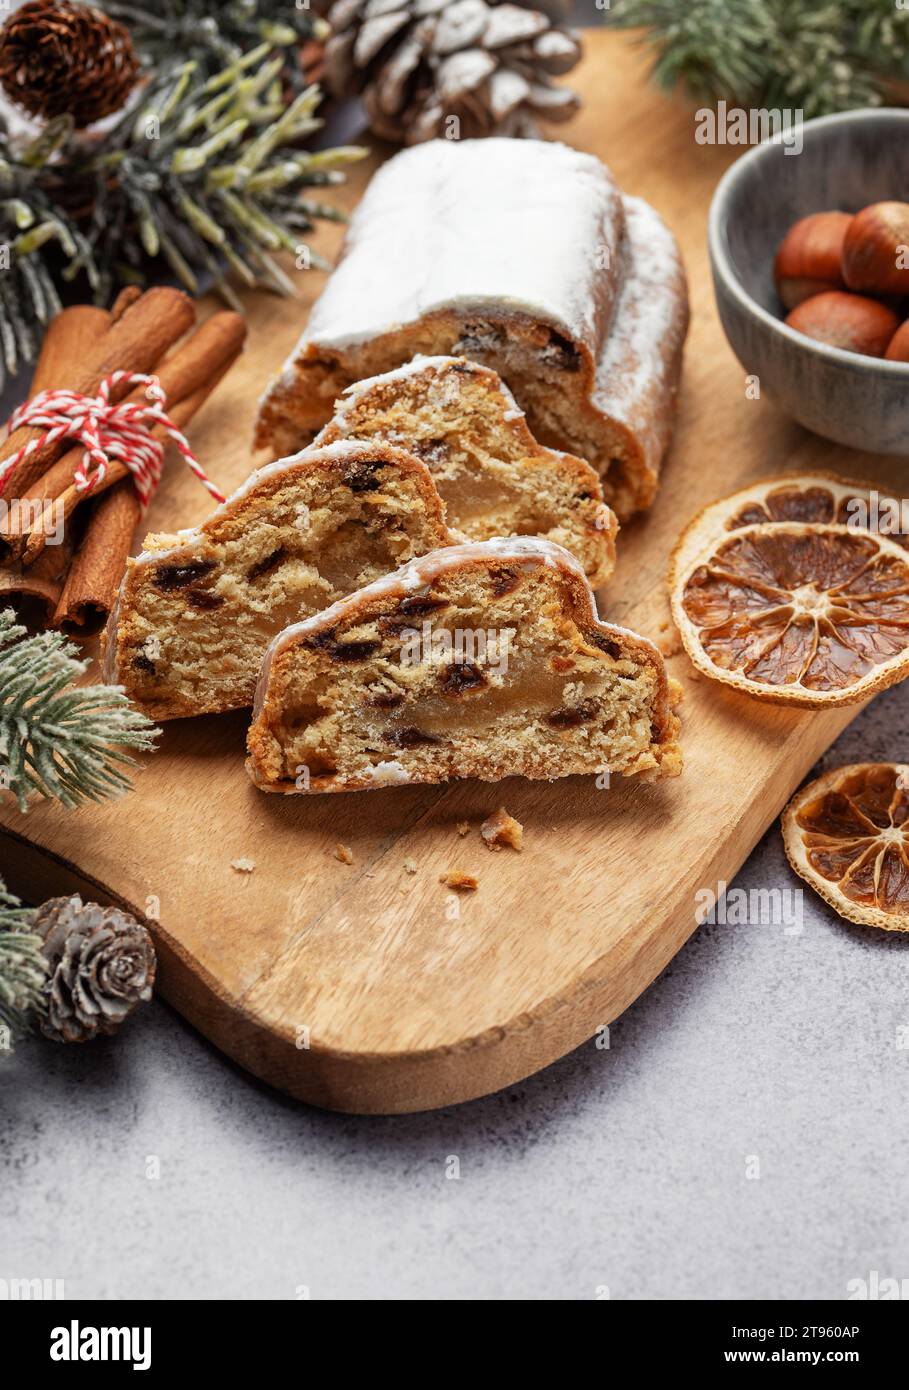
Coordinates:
(122, 431)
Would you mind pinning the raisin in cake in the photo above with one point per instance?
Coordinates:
(481, 660)
(493, 476)
(197, 610)
(524, 256)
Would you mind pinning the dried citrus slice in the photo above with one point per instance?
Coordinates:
(810, 497)
(779, 591)
(847, 834)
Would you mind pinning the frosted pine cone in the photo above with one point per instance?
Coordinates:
(102, 964)
(464, 69)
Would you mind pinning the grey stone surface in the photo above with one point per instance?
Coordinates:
(625, 1168)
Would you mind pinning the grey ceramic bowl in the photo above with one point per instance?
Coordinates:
(846, 161)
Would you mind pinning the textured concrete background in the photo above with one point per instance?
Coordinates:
(625, 1168)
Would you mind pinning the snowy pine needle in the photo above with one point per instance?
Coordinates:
(57, 739)
(23, 968)
(816, 56)
(205, 174)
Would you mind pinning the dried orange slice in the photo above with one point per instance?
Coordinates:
(792, 609)
(810, 497)
(847, 834)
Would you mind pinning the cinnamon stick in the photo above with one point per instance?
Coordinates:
(94, 577)
(44, 580)
(124, 299)
(189, 367)
(135, 342)
(71, 335)
(86, 598)
(194, 368)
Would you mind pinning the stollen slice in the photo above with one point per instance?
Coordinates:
(196, 610)
(847, 835)
(481, 660)
(493, 476)
(790, 609)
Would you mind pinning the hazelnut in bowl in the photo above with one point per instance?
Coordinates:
(811, 285)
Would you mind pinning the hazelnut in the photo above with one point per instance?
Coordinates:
(876, 249)
(809, 260)
(898, 351)
(848, 321)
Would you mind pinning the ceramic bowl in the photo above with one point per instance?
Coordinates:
(846, 161)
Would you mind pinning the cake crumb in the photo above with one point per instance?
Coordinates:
(410, 865)
(243, 866)
(459, 880)
(670, 646)
(463, 828)
(344, 853)
(501, 829)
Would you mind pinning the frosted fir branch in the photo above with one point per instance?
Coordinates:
(31, 221)
(816, 56)
(205, 174)
(59, 740)
(23, 968)
(173, 30)
(214, 175)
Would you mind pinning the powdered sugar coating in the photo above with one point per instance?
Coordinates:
(648, 327)
(521, 226)
(515, 253)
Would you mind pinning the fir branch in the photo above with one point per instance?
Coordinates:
(178, 30)
(213, 175)
(57, 739)
(30, 221)
(207, 176)
(207, 173)
(23, 968)
(816, 56)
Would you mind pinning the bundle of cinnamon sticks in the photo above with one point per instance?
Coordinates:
(67, 548)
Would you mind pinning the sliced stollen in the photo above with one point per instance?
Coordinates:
(493, 476)
(480, 660)
(196, 610)
(522, 255)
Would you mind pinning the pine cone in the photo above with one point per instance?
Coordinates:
(102, 963)
(59, 58)
(418, 63)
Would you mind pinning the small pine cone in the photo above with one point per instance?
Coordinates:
(419, 63)
(59, 58)
(101, 963)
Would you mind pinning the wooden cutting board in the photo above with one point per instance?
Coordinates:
(407, 996)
